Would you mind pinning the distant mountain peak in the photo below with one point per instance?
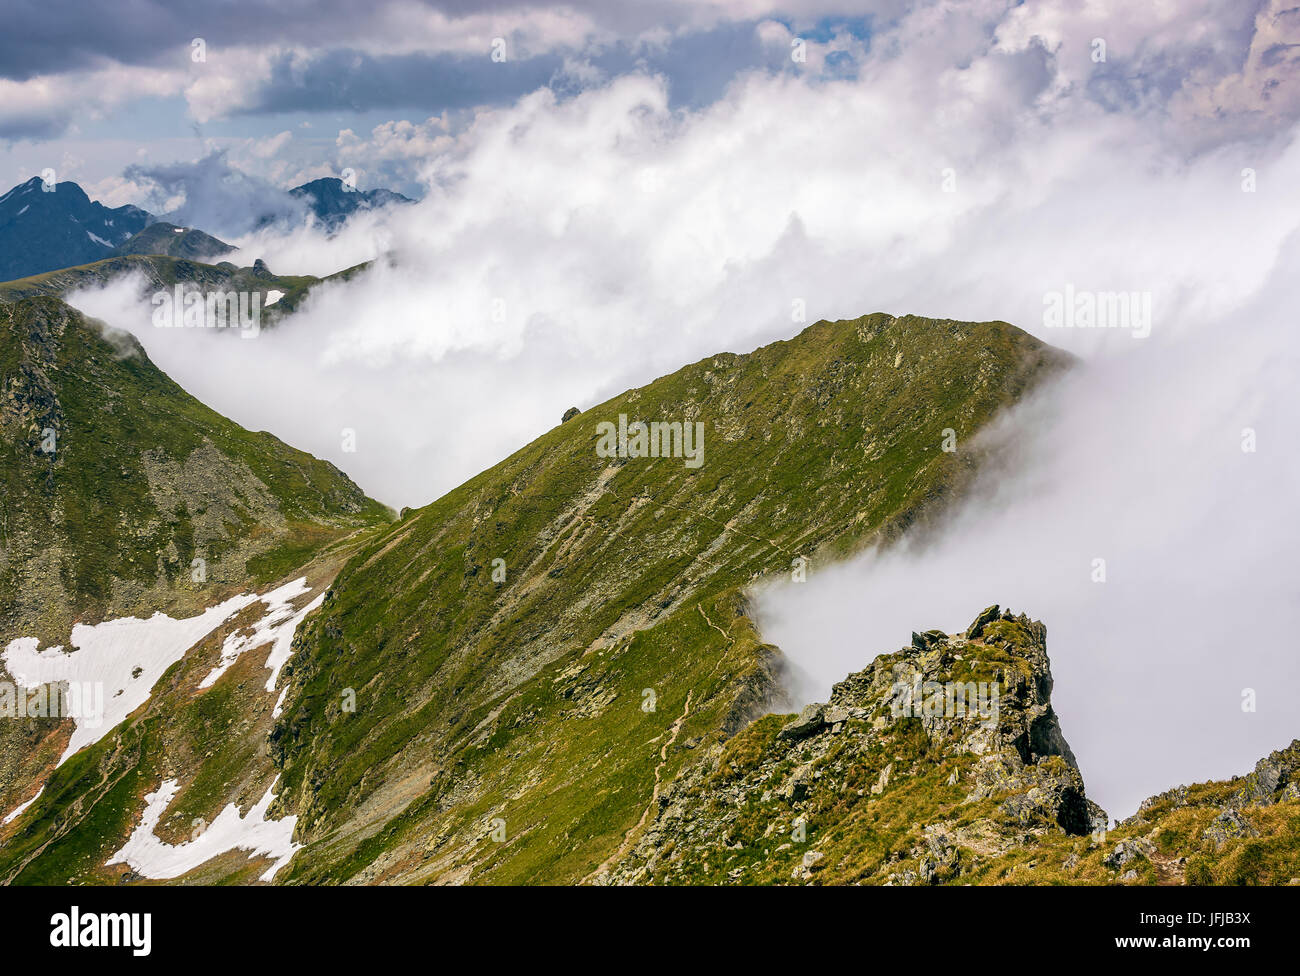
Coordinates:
(332, 201)
(43, 228)
(47, 228)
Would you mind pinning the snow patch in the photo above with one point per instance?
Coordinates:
(17, 811)
(272, 297)
(124, 658)
(150, 857)
(98, 240)
(24, 210)
(276, 628)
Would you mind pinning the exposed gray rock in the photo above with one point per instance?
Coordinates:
(1229, 825)
(986, 617)
(1127, 851)
(810, 721)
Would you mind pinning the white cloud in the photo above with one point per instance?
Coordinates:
(46, 105)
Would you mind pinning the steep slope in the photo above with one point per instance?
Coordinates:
(923, 766)
(115, 480)
(944, 763)
(177, 242)
(494, 687)
(203, 694)
(47, 227)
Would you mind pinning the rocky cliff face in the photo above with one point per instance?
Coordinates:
(922, 764)
(944, 763)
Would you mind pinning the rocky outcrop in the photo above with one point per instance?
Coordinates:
(921, 766)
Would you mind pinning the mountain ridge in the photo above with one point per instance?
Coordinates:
(71, 388)
(944, 763)
(332, 201)
(46, 228)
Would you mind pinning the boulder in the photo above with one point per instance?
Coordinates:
(1127, 851)
(809, 722)
(1229, 825)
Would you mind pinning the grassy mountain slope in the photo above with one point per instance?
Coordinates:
(861, 791)
(164, 272)
(142, 479)
(212, 740)
(516, 728)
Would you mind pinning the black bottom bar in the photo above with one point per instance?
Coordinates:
(246, 926)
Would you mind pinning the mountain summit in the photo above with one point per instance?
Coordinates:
(44, 227)
(332, 201)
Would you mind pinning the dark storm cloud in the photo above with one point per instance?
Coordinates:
(344, 79)
(698, 67)
(34, 127)
(53, 36)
